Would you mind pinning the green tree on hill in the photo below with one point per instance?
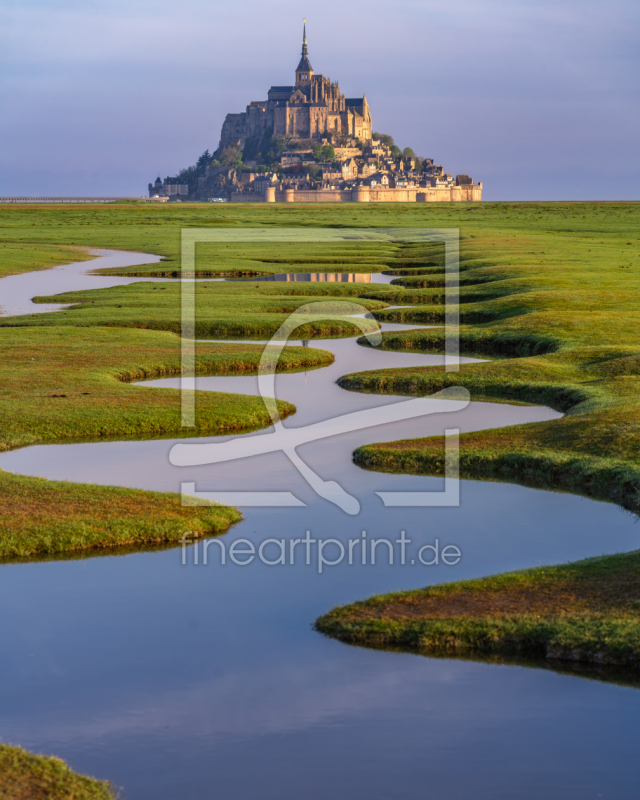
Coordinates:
(383, 138)
(278, 144)
(231, 157)
(203, 162)
(328, 152)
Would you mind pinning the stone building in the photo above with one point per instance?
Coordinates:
(170, 188)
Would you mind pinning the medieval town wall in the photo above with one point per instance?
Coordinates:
(438, 194)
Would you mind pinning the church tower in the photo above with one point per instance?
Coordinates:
(304, 72)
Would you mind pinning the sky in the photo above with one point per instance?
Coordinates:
(538, 99)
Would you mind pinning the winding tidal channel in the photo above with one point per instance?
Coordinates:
(195, 681)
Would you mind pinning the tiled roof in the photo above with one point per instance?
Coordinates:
(304, 65)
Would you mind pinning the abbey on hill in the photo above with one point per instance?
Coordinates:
(309, 143)
(312, 109)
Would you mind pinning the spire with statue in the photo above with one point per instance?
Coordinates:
(304, 72)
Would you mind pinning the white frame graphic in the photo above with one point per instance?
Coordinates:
(287, 439)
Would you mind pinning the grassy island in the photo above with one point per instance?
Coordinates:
(588, 611)
(31, 777)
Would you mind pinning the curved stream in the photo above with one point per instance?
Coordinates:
(201, 680)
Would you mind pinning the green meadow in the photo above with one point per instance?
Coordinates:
(247, 259)
(27, 257)
(224, 310)
(548, 295)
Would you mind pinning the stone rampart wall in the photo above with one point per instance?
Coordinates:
(440, 194)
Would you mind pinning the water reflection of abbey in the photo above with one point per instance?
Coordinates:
(321, 277)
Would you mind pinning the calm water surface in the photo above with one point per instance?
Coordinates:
(195, 681)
